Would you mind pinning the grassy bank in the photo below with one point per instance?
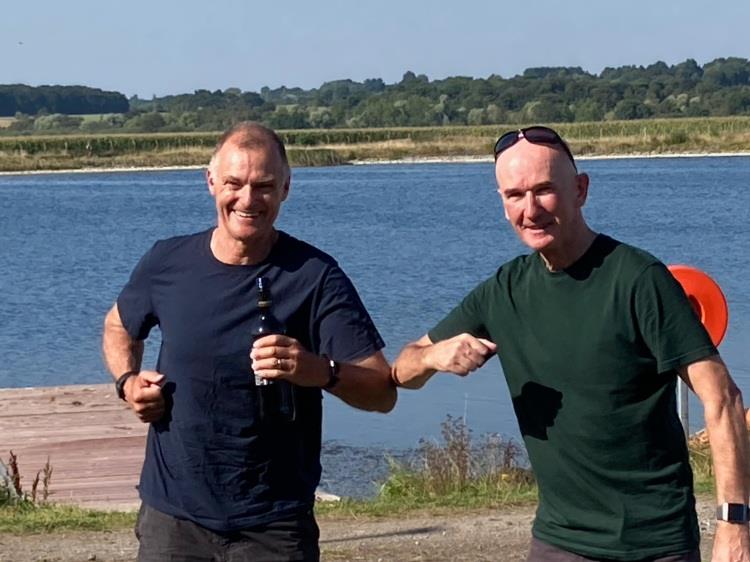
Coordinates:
(457, 473)
(340, 146)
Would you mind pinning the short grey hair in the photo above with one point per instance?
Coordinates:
(250, 134)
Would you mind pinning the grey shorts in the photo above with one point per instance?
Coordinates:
(165, 538)
(543, 552)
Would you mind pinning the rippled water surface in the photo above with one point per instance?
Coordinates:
(414, 238)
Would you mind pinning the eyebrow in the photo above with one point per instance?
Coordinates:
(535, 187)
(265, 180)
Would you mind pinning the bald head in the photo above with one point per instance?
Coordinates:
(525, 161)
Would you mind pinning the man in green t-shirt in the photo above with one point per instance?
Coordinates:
(592, 334)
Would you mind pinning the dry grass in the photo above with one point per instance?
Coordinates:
(338, 146)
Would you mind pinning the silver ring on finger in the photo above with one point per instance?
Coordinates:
(278, 364)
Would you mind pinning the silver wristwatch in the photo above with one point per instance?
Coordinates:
(732, 513)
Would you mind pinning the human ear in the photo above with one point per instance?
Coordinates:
(210, 182)
(582, 186)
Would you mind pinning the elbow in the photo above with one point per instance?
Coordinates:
(387, 401)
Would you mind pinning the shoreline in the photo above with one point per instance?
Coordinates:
(367, 162)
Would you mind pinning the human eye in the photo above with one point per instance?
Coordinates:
(265, 187)
(545, 189)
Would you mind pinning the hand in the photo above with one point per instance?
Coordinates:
(143, 393)
(461, 354)
(283, 358)
(731, 543)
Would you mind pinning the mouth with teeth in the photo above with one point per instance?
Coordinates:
(536, 227)
(247, 214)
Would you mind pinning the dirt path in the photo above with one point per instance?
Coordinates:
(497, 535)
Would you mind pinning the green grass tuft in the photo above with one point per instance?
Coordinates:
(29, 518)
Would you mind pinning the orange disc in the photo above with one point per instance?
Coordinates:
(706, 297)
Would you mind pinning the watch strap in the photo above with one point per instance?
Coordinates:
(333, 373)
(732, 513)
(120, 383)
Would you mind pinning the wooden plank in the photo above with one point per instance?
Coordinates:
(93, 441)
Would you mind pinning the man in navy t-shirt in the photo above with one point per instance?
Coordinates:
(225, 476)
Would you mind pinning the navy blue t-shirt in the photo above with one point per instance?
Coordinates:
(210, 459)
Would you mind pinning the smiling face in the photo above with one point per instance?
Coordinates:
(542, 196)
(249, 182)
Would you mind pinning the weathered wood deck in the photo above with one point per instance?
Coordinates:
(93, 440)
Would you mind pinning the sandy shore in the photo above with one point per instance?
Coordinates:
(411, 160)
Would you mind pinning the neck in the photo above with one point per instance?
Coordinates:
(559, 259)
(239, 252)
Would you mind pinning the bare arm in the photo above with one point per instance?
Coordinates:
(121, 354)
(461, 355)
(365, 384)
(725, 423)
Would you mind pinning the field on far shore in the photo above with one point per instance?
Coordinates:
(327, 147)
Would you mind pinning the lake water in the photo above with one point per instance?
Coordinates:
(414, 239)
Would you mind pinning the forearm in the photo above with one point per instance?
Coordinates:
(366, 384)
(412, 369)
(121, 352)
(727, 432)
(724, 414)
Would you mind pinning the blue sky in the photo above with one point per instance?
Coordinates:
(169, 47)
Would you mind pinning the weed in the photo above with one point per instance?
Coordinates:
(11, 491)
(457, 470)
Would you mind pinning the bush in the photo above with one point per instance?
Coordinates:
(492, 471)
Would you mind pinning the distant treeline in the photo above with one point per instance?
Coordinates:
(546, 94)
(69, 100)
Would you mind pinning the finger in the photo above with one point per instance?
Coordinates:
(148, 394)
(263, 365)
(272, 340)
(146, 378)
(274, 366)
(269, 374)
(490, 345)
(481, 345)
(151, 415)
(475, 356)
(272, 352)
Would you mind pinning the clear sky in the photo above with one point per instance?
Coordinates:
(160, 47)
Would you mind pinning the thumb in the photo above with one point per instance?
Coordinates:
(151, 377)
(490, 345)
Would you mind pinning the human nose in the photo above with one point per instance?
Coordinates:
(247, 194)
(531, 205)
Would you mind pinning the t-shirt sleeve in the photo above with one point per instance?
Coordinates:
(135, 303)
(342, 326)
(666, 319)
(468, 316)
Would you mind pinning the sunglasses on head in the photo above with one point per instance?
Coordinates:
(535, 135)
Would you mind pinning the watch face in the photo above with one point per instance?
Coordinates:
(732, 513)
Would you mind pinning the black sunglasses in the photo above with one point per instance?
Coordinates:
(536, 135)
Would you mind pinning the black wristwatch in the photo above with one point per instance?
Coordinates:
(732, 513)
(333, 373)
(120, 383)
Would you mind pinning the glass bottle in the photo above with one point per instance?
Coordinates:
(275, 398)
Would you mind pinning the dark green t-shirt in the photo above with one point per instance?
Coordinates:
(589, 354)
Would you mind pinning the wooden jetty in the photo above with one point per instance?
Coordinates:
(93, 441)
